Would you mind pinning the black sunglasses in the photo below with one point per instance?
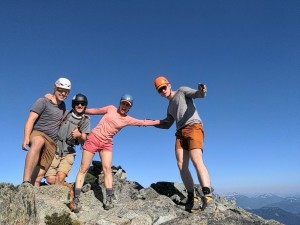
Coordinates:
(80, 103)
(62, 90)
(161, 89)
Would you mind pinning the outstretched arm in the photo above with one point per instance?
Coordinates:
(96, 111)
(137, 122)
(165, 123)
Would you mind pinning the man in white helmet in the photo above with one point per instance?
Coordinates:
(41, 128)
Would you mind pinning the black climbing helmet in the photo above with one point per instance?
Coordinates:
(79, 98)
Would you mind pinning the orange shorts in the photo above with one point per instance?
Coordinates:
(190, 137)
(93, 144)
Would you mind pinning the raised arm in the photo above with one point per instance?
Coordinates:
(201, 92)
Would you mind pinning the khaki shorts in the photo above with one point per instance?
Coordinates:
(48, 151)
(190, 137)
(61, 164)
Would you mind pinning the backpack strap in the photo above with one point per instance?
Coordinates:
(65, 116)
(84, 117)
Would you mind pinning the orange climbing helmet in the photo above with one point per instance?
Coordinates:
(160, 82)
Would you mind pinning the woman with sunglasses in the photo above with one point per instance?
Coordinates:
(189, 137)
(101, 140)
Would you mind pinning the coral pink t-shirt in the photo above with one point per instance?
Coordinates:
(112, 122)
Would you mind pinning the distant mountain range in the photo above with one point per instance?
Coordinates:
(269, 206)
(278, 214)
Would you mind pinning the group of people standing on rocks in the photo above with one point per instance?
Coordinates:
(51, 133)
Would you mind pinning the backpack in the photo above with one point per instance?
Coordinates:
(67, 140)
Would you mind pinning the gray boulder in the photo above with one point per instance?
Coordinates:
(158, 204)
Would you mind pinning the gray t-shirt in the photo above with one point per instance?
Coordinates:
(50, 116)
(182, 109)
(66, 144)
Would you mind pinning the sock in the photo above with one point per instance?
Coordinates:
(109, 191)
(77, 192)
(191, 193)
(206, 191)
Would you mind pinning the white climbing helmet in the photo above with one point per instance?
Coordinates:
(63, 83)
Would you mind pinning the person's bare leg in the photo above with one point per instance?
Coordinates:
(32, 157)
(202, 173)
(51, 179)
(182, 157)
(60, 178)
(40, 175)
(106, 159)
(85, 164)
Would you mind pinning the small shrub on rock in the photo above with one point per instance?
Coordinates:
(64, 219)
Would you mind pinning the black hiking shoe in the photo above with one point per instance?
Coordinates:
(109, 202)
(77, 206)
(191, 202)
(193, 205)
(27, 183)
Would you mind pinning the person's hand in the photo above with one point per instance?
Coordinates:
(76, 133)
(25, 145)
(202, 88)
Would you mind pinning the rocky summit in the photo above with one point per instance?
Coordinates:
(133, 204)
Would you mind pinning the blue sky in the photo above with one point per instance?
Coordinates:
(246, 52)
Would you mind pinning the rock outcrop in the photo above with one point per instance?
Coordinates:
(134, 205)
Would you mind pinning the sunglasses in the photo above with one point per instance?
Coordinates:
(62, 90)
(162, 89)
(125, 103)
(80, 103)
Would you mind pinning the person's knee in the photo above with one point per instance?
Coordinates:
(182, 166)
(179, 165)
(37, 142)
(199, 165)
(38, 179)
(106, 169)
(50, 179)
(60, 177)
(83, 170)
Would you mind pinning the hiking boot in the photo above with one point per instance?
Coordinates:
(208, 204)
(109, 202)
(192, 203)
(27, 183)
(197, 204)
(77, 206)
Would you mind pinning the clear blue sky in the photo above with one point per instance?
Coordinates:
(247, 52)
